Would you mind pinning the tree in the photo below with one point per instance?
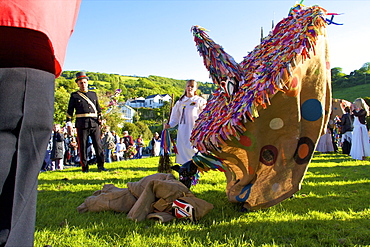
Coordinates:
(69, 84)
(337, 73)
(131, 128)
(165, 110)
(61, 100)
(114, 85)
(144, 130)
(365, 68)
(136, 117)
(113, 120)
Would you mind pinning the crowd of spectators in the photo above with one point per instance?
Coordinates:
(62, 149)
(348, 132)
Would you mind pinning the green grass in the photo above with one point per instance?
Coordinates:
(332, 209)
(352, 93)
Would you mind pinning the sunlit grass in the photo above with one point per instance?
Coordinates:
(332, 209)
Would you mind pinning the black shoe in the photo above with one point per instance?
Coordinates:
(244, 210)
(85, 169)
(102, 169)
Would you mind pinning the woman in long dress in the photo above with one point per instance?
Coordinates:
(325, 143)
(360, 137)
(184, 114)
(155, 144)
(57, 151)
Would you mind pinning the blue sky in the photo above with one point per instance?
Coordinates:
(153, 37)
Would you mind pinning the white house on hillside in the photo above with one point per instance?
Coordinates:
(152, 101)
(137, 102)
(127, 113)
(156, 100)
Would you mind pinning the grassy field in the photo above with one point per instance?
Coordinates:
(332, 209)
(352, 93)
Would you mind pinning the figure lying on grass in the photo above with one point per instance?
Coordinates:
(160, 196)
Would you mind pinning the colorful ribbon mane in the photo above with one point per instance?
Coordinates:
(261, 74)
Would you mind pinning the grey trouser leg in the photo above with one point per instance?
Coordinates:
(26, 118)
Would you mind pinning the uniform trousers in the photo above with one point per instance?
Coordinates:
(82, 137)
(26, 119)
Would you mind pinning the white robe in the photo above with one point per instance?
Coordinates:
(156, 147)
(184, 114)
(360, 141)
(325, 144)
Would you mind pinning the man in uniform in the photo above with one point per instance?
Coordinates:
(88, 120)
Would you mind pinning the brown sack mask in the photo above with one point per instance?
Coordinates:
(266, 117)
(136, 188)
(109, 198)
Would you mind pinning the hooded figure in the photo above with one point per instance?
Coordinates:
(154, 193)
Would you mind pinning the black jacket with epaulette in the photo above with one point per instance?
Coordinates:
(86, 116)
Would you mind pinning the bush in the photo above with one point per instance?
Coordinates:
(136, 129)
(131, 128)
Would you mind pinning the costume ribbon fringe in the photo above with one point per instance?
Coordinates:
(262, 73)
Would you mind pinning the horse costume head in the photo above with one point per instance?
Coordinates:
(265, 119)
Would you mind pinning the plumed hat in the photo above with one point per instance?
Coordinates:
(81, 75)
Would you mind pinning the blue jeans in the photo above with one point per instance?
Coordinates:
(139, 153)
(108, 153)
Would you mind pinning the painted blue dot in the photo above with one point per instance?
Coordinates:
(311, 110)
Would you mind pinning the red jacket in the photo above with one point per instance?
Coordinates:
(54, 18)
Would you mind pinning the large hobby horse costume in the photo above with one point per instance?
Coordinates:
(263, 122)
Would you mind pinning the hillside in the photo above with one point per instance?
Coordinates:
(105, 86)
(131, 86)
(352, 86)
(352, 93)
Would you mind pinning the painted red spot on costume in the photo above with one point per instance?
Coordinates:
(245, 141)
(250, 170)
(303, 151)
(294, 82)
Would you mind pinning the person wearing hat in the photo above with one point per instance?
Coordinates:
(129, 143)
(88, 120)
(33, 43)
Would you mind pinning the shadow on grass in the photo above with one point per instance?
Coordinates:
(227, 230)
(337, 173)
(349, 198)
(225, 222)
(286, 232)
(330, 157)
(74, 179)
(94, 168)
(344, 188)
(79, 181)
